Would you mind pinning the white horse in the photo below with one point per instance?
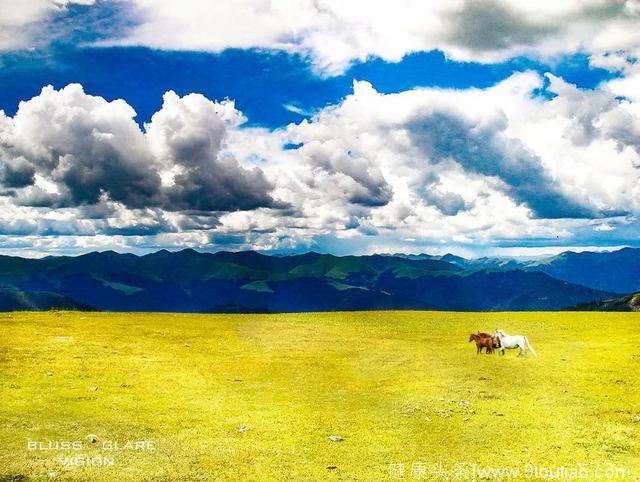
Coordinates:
(516, 341)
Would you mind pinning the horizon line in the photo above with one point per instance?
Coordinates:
(541, 252)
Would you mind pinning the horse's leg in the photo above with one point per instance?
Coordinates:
(478, 349)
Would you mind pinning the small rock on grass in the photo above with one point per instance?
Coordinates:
(93, 389)
(331, 467)
(636, 419)
(335, 438)
(91, 438)
(243, 428)
(49, 374)
(186, 345)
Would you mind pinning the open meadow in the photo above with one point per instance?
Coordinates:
(143, 396)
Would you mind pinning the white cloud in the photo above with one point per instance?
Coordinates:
(515, 162)
(603, 227)
(20, 21)
(336, 33)
(297, 110)
(188, 132)
(65, 148)
(425, 167)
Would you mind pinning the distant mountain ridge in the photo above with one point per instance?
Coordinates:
(613, 271)
(191, 281)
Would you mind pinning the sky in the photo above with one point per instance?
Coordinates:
(478, 127)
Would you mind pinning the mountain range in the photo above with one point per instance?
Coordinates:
(191, 281)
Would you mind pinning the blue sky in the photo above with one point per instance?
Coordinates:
(261, 82)
(472, 140)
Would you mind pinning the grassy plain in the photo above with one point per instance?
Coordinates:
(255, 397)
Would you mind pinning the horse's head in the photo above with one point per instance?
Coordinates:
(472, 337)
(500, 333)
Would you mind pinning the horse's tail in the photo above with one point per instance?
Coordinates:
(533, 352)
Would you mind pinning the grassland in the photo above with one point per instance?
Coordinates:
(254, 397)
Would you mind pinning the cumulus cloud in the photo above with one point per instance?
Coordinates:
(85, 146)
(424, 167)
(84, 150)
(485, 150)
(335, 33)
(464, 166)
(186, 136)
(335, 168)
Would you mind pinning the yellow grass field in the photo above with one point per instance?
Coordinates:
(103, 396)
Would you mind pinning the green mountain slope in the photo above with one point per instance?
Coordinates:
(14, 300)
(190, 281)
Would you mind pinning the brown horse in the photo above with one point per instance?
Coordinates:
(483, 340)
